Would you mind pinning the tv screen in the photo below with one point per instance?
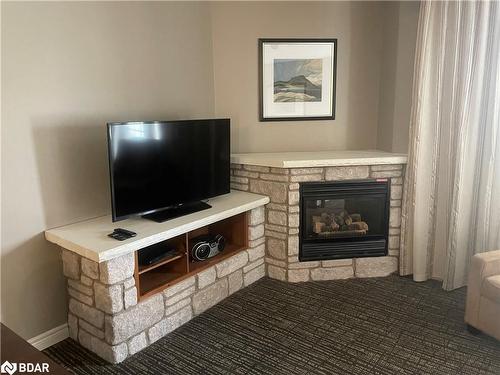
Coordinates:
(157, 165)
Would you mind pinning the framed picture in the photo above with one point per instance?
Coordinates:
(297, 79)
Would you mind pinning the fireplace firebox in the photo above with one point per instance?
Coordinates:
(344, 219)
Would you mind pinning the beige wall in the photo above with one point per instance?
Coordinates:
(67, 68)
(358, 28)
(387, 91)
(400, 33)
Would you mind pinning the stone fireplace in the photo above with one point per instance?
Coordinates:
(344, 219)
(284, 180)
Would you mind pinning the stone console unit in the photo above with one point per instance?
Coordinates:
(279, 175)
(107, 314)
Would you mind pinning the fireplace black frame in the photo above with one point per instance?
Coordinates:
(346, 247)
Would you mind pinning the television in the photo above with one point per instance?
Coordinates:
(164, 169)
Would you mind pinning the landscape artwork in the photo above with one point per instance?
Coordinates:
(297, 80)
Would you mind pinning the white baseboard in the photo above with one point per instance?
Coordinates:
(51, 337)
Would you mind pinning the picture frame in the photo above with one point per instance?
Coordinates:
(297, 79)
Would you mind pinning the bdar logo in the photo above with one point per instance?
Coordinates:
(8, 368)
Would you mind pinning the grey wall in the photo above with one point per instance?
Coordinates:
(67, 68)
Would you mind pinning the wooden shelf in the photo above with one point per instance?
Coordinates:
(156, 277)
(150, 267)
(155, 282)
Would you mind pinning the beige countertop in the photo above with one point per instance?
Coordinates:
(319, 158)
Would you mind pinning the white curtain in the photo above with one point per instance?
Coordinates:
(452, 200)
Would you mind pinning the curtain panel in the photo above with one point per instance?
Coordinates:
(452, 200)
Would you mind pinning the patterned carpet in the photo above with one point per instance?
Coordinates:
(362, 327)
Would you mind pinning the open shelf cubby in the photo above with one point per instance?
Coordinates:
(153, 278)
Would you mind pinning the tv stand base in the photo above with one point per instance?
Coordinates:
(177, 211)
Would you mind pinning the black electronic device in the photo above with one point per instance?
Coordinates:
(121, 234)
(155, 253)
(207, 246)
(125, 232)
(163, 169)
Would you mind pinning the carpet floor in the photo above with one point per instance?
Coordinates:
(386, 326)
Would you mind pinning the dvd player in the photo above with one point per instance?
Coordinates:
(155, 253)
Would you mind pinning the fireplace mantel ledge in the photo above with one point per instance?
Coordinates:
(319, 158)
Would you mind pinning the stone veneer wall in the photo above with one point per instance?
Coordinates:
(106, 318)
(282, 219)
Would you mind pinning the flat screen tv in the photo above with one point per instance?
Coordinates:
(163, 169)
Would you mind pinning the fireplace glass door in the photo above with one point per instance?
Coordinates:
(344, 219)
(350, 216)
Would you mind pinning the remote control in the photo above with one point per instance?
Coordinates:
(125, 232)
(118, 236)
(121, 234)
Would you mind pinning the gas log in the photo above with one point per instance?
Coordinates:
(341, 223)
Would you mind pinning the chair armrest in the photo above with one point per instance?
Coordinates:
(482, 265)
(488, 263)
